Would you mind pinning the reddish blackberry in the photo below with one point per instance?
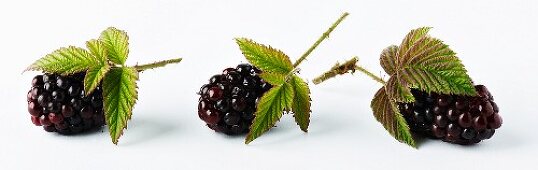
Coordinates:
(227, 104)
(58, 104)
(453, 118)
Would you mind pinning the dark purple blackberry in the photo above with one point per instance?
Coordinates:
(453, 118)
(59, 105)
(227, 104)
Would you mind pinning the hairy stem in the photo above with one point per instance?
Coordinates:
(157, 64)
(320, 39)
(348, 66)
(337, 69)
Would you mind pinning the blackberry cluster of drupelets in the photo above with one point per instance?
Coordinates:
(59, 104)
(453, 118)
(228, 102)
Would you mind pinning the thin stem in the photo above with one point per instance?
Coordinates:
(323, 37)
(371, 75)
(163, 63)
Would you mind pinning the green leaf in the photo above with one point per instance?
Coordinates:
(301, 103)
(273, 78)
(398, 91)
(120, 95)
(430, 65)
(388, 59)
(434, 67)
(386, 112)
(117, 44)
(270, 109)
(264, 57)
(65, 61)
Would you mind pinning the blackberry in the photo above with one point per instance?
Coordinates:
(228, 102)
(453, 118)
(59, 104)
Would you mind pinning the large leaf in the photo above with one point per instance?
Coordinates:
(270, 109)
(425, 63)
(65, 61)
(301, 103)
(120, 95)
(410, 40)
(432, 66)
(264, 57)
(386, 112)
(97, 72)
(117, 44)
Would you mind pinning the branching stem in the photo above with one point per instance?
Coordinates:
(346, 67)
(157, 64)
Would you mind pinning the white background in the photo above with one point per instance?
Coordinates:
(496, 40)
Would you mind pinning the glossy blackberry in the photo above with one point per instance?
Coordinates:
(59, 105)
(228, 102)
(453, 118)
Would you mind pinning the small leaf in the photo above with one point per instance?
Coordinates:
(397, 91)
(65, 61)
(301, 103)
(97, 72)
(264, 57)
(273, 78)
(117, 44)
(120, 95)
(93, 78)
(98, 49)
(386, 112)
(388, 59)
(270, 110)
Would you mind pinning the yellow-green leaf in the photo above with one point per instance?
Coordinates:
(97, 72)
(273, 78)
(386, 112)
(120, 95)
(93, 78)
(117, 44)
(264, 57)
(98, 49)
(270, 109)
(65, 61)
(301, 103)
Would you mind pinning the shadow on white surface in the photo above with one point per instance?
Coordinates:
(146, 129)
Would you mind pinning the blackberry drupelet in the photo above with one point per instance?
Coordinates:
(453, 118)
(227, 104)
(58, 103)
